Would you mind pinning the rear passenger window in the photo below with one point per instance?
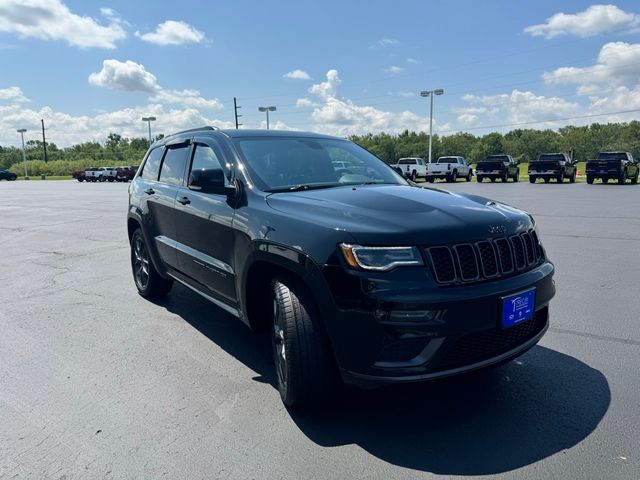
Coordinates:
(173, 165)
(152, 165)
(205, 158)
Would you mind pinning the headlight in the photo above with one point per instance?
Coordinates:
(380, 258)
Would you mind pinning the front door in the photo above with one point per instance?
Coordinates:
(203, 222)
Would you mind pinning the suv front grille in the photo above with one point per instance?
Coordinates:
(484, 260)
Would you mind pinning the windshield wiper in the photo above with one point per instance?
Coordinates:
(303, 186)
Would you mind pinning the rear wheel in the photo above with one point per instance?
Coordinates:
(547, 179)
(634, 180)
(431, 179)
(605, 180)
(560, 177)
(516, 177)
(532, 179)
(493, 179)
(414, 176)
(469, 175)
(479, 179)
(453, 177)
(623, 178)
(590, 179)
(147, 279)
(304, 366)
(504, 177)
(572, 178)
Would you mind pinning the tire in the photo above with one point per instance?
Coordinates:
(547, 179)
(454, 176)
(493, 179)
(590, 179)
(532, 179)
(101, 179)
(431, 179)
(469, 175)
(572, 178)
(303, 362)
(111, 179)
(560, 177)
(605, 180)
(634, 180)
(414, 176)
(479, 179)
(80, 179)
(14, 178)
(147, 279)
(504, 178)
(623, 178)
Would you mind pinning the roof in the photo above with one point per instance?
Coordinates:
(243, 133)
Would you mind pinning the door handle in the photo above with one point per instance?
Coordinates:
(149, 191)
(184, 200)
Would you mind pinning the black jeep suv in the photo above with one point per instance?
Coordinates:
(7, 175)
(358, 275)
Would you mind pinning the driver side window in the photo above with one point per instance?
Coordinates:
(205, 158)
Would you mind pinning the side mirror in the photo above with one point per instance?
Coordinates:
(209, 181)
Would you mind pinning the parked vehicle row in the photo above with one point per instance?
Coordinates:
(619, 166)
(106, 174)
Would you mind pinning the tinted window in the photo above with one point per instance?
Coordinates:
(612, 156)
(555, 157)
(173, 165)
(152, 165)
(205, 157)
(447, 160)
(406, 161)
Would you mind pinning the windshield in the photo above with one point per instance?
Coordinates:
(612, 156)
(288, 163)
(554, 157)
(407, 161)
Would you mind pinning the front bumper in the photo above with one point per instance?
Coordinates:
(405, 330)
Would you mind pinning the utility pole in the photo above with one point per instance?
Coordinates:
(235, 109)
(44, 142)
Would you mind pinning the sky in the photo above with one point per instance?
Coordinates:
(338, 67)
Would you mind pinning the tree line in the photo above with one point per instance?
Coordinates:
(522, 144)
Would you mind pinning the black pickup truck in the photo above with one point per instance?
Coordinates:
(503, 167)
(552, 165)
(613, 165)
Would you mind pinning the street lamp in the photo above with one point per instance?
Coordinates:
(24, 156)
(431, 93)
(149, 120)
(267, 109)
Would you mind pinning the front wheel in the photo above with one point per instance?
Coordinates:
(147, 279)
(623, 178)
(516, 177)
(469, 175)
(304, 366)
(634, 180)
(572, 178)
(560, 177)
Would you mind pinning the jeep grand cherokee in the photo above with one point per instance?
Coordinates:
(359, 275)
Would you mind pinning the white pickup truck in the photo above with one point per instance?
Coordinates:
(100, 174)
(412, 167)
(449, 168)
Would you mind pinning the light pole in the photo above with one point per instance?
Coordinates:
(431, 93)
(267, 109)
(149, 120)
(24, 155)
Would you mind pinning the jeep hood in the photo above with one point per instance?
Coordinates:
(398, 215)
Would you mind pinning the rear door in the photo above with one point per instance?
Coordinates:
(161, 177)
(203, 221)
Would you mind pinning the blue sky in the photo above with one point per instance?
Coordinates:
(90, 68)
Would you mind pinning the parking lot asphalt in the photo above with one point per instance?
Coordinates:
(96, 382)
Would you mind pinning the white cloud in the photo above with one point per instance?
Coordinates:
(173, 32)
(386, 42)
(297, 74)
(52, 20)
(595, 20)
(187, 98)
(517, 107)
(12, 95)
(64, 129)
(402, 93)
(468, 119)
(413, 61)
(394, 70)
(305, 103)
(618, 64)
(274, 125)
(343, 117)
(129, 76)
